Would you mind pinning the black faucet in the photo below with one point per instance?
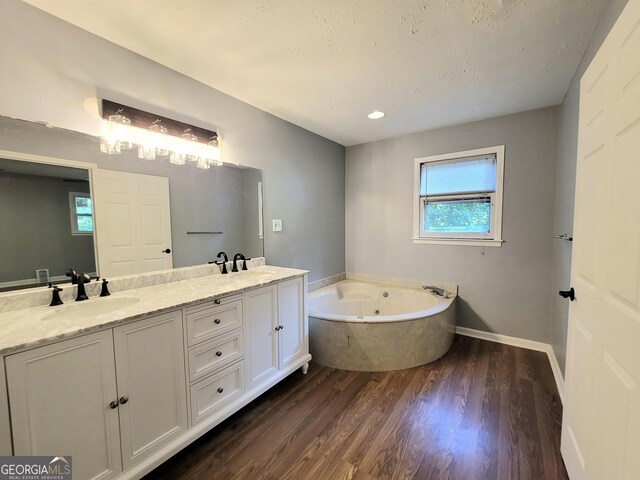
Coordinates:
(55, 297)
(223, 263)
(82, 295)
(236, 257)
(75, 277)
(105, 291)
(73, 274)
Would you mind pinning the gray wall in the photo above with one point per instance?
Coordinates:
(503, 289)
(53, 71)
(36, 228)
(565, 183)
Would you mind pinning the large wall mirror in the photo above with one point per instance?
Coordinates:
(48, 224)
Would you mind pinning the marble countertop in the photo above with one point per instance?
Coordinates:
(32, 327)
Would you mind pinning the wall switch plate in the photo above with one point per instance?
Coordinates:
(277, 225)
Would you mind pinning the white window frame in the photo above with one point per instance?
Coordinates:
(73, 213)
(491, 239)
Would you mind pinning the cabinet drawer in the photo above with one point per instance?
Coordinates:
(210, 394)
(207, 357)
(208, 321)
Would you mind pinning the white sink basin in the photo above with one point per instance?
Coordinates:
(262, 275)
(258, 275)
(89, 308)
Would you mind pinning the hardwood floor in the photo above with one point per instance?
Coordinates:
(483, 411)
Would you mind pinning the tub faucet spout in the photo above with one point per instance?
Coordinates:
(441, 292)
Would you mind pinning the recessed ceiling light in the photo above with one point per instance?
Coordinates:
(376, 115)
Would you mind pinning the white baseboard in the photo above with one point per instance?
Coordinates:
(522, 343)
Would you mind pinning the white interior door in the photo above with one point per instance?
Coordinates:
(601, 424)
(133, 223)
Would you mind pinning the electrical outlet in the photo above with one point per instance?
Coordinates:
(277, 225)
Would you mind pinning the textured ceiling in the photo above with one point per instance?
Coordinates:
(325, 64)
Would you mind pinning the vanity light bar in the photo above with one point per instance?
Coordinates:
(154, 135)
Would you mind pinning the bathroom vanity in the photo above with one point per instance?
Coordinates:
(122, 383)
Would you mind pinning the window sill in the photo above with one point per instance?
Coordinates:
(458, 242)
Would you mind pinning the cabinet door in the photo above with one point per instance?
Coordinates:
(5, 426)
(261, 322)
(59, 399)
(291, 321)
(151, 383)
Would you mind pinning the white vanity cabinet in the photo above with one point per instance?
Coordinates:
(151, 384)
(292, 339)
(5, 424)
(276, 334)
(122, 400)
(60, 403)
(261, 313)
(107, 399)
(215, 353)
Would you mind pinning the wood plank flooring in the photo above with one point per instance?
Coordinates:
(483, 411)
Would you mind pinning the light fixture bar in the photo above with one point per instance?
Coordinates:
(142, 119)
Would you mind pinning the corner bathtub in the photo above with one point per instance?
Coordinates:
(363, 326)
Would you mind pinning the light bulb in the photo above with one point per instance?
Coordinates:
(120, 130)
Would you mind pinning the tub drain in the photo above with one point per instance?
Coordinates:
(377, 312)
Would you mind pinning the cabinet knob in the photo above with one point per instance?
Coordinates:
(220, 390)
(219, 353)
(123, 400)
(113, 404)
(217, 301)
(217, 321)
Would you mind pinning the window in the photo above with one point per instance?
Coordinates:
(458, 198)
(81, 213)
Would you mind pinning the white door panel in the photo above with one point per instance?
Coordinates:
(261, 314)
(60, 396)
(291, 321)
(151, 383)
(602, 407)
(133, 223)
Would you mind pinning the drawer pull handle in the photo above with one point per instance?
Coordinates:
(219, 353)
(113, 405)
(220, 390)
(217, 321)
(123, 400)
(217, 301)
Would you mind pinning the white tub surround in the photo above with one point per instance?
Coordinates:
(325, 282)
(451, 288)
(133, 378)
(364, 326)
